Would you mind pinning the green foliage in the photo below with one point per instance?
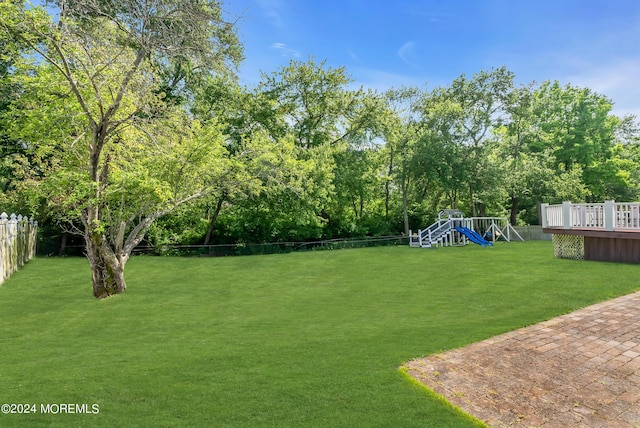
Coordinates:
(186, 226)
(355, 210)
(286, 138)
(312, 100)
(576, 125)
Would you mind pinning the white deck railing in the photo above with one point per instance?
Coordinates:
(608, 216)
(627, 216)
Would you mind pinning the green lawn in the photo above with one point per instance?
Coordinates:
(304, 339)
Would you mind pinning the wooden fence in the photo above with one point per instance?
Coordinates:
(17, 243)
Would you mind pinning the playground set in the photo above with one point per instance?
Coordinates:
(454, 229)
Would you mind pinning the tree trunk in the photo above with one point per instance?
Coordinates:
(63, 244)
(405, 208)
(214, 218)
(107, 268)
(514, 210)
(482, 209)
(107, 281)
(107, 276)
(387, 190)
(472, 203)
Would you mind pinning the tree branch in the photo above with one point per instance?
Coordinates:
(64, 69)
(137, 233)
(124, 86)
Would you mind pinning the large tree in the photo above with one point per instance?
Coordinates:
(310, 106)
(576, 124)
(401, 129)
(280, 183)
(481, 102)
(132, 154)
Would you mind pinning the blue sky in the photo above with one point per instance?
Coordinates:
(428, 43)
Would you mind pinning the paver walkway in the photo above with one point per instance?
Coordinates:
(577, 370)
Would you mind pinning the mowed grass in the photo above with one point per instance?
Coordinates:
(309, 339)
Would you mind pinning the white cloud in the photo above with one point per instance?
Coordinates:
(406, 52)
(273, 9)
(437, 17)
(285, 51)
(353, 56)
(616, 79)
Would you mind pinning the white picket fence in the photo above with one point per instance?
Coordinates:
(17, 243)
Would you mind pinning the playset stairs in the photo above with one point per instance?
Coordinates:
(438, 234)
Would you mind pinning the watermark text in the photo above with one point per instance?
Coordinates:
(50, 408)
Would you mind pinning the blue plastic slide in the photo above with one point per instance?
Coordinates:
(474, 236)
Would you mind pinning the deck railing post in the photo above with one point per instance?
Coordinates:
(609, 215)
(543, 213)
(566, 215)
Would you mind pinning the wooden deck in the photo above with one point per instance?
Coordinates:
(595, 233)
(606, 232)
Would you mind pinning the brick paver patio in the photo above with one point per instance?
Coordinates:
(577, 370)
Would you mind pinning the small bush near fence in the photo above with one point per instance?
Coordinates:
(17, 243)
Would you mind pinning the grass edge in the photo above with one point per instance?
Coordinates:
(439, 398)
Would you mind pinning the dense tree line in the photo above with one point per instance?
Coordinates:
(363, 163)
(122, 122)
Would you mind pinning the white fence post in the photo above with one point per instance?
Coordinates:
(4, 244)
(609, 215)
(13, 247)
(543, 213)
(17, 243)
(566, 215)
